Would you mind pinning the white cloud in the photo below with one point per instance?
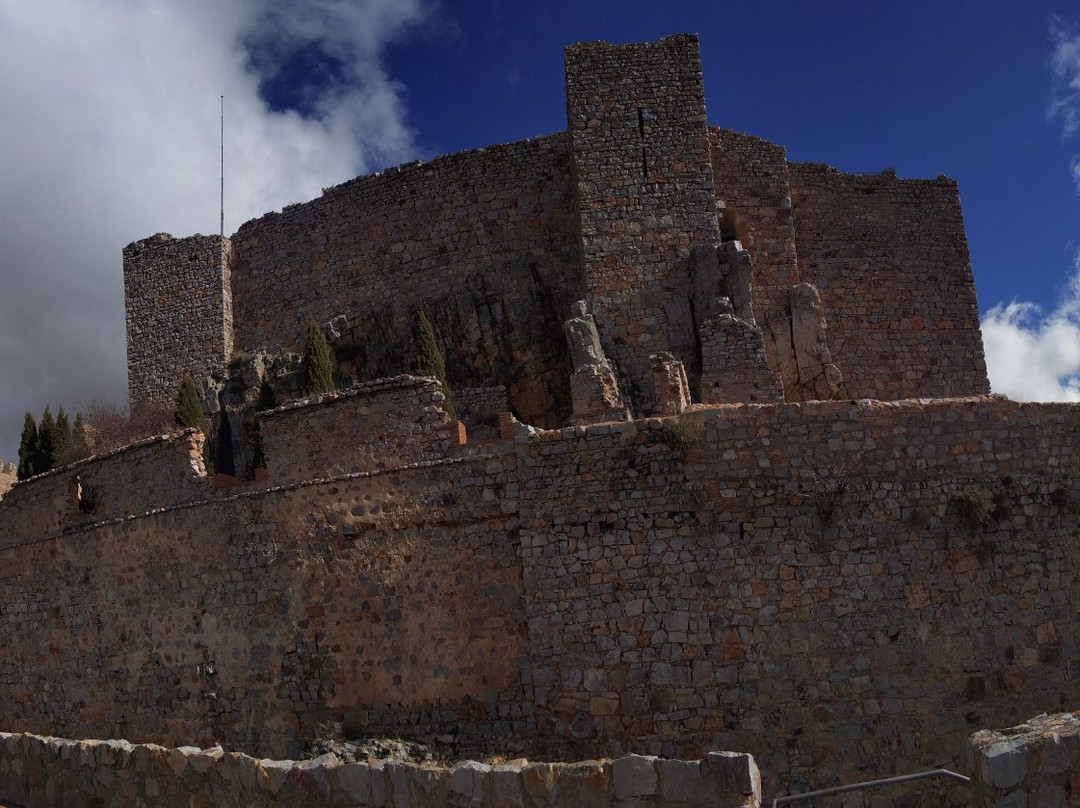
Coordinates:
(110, 134)
(1065, 75)
(1033, 355)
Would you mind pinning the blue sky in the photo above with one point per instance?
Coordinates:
(111, 128)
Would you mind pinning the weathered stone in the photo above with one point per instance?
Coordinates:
(634, 776)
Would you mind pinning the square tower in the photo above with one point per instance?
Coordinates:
(178, 297)
(643, 187)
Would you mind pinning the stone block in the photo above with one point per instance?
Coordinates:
(1004, 764)
(634, 776)
(732, 772)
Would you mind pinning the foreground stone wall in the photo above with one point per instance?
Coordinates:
(42, 772)
(840, 588)
(889, 257)
(843, 589)
(1034, 764)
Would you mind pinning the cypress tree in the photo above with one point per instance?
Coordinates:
(316, 373)
(27, 448)
(45, 456)
(63, 436)
(188, 412)
(426, 359)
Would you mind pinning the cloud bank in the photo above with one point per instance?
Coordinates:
(111, 133)
(1032, 354)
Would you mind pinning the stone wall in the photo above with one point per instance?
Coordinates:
(178, 295)
(1034, 764)
(378, 425)
(842, 588)
(643, 191)
(43, 772)
(481, 240)
(153, 473)
(889, 257)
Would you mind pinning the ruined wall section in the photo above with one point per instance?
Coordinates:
(8, 475)
(378, 425)
(870, 580)
(178, 298)
(643, 191)
(754, 193)
(889, 257)
(482, 240)
(154, 473)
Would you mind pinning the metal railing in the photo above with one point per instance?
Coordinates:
(888, 781)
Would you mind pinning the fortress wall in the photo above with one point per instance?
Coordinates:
(153, 473)
(643, 190)
(178, 298)
(843, 589)
(890, 259)
(250, 621)
(483, 240)
(383, 424)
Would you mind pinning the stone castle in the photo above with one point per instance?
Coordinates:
(728, 473)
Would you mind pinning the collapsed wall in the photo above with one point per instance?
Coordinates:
(843, 589)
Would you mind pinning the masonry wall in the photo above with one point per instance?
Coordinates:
(253, 619)
(643, 192)
(889, 257)
(483, 240)
(152, 473)
(378, 425)
(178, 297)
(843, 589)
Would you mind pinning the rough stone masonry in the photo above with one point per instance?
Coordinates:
(838, 561)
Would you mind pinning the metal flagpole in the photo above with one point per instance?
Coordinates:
(222, 168)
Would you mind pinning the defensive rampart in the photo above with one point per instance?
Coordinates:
(839, 588)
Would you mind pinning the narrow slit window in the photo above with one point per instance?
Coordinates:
(644, 150)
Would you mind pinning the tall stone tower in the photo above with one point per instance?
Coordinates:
(643, 187)
(178, 296)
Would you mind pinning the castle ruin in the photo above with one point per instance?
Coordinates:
(733, 476)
